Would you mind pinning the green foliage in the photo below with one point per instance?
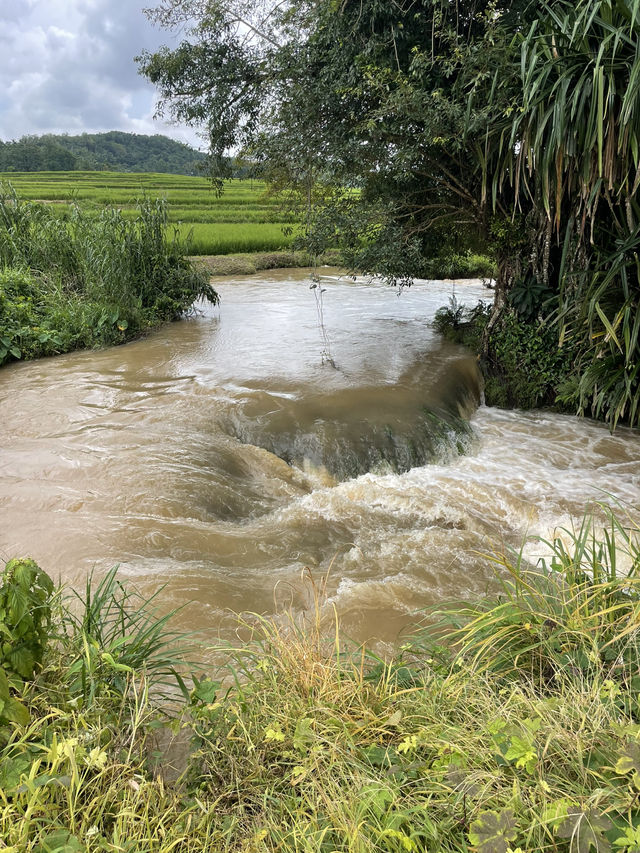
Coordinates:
(525, 366)
(90, 281)
(484, 732)
(462, 325)
(466, 264)
(585, 831)
(116, 632)
(577, 615)
(25, 617)
(528, 296)
(11, 709)
(226, 238)
(25, 621)
(327, 98)
(492, 831)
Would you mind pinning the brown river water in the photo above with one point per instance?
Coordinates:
(225, 454)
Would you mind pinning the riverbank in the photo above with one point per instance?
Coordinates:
(90, 281)
(248, 263)
(454, 267)
(523, 363)
(513, 726)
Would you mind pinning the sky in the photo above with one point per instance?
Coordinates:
(66, 66)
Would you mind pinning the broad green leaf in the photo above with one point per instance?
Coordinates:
(629, 761)
(303, 735)
(60, 841)
(630, 841)
(523, 753)
(15, 712)
(10, 771)
(629, 758)
(205, 691)
(4, 685)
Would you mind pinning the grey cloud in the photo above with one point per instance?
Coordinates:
(68, 66)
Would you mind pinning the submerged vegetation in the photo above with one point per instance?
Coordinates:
(510, 724)
(88, 281)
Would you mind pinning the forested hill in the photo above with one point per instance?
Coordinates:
(115, 151)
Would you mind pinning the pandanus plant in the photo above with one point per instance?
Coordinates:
(572, 159)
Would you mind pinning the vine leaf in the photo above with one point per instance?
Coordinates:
(523, 753)
(492, 831)
(586, 831)
(630, 761)
(459, 780)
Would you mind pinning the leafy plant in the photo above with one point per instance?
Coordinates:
(90, 280)
(118, 632)
(585, 831)
(492, 831)
(25, 617)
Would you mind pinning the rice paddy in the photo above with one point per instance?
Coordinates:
(244, 218)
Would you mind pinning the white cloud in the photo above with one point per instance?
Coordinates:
(67, 66)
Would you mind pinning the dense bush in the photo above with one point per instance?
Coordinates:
(462, 325)
(88, 281)
(459, 265)
(523, 364)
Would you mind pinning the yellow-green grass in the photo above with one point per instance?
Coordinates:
(243, 218)
(511, 726)
(222, 238)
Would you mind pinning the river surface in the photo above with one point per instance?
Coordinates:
(291, 429)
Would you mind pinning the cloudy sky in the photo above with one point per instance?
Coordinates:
(66, 66)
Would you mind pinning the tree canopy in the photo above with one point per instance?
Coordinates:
(115, 151)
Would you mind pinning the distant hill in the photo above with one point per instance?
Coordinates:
(114, 151)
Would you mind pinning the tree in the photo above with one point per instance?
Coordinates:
(392, 98)
(573, 161)
(474, 120)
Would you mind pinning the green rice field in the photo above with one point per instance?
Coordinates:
(244, 218)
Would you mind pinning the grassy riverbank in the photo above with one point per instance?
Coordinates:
(513, 725)
(245, 220)
(249, 263)
(88, 281)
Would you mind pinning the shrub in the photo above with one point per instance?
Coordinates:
(89, 281)
(462, 325)
(525, 366)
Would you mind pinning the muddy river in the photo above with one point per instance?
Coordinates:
(293, 427)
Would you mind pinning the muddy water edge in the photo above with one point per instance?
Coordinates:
(292, 428)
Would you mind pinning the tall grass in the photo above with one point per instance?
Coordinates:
(513, 725)
(88, 281)
(578, 612)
